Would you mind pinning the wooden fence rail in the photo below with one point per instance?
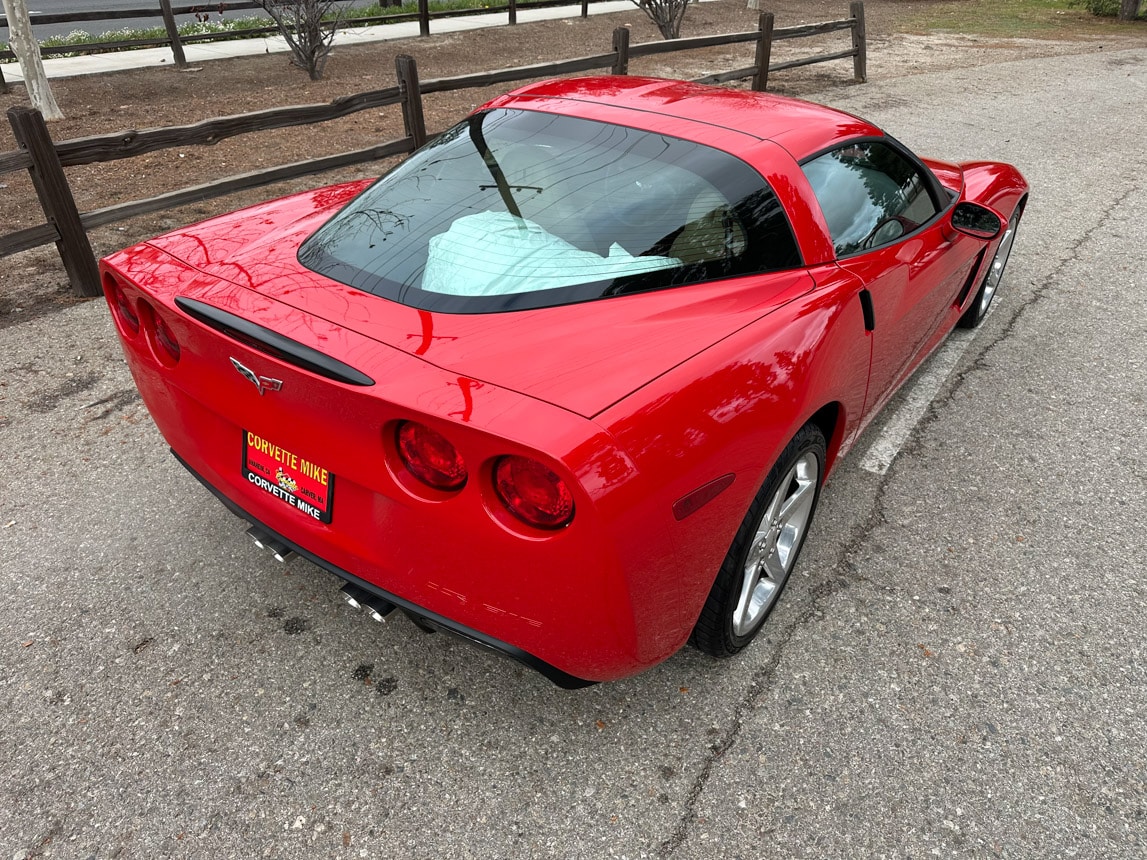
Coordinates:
(126, 144)
(163, 9)
(45, 159)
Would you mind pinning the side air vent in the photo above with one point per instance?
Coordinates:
(272, 343)
(970, 282)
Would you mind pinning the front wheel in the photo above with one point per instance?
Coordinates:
(978, 309)
(765, 549)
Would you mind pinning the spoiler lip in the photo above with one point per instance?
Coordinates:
(264, 340)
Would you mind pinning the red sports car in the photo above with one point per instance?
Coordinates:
(566, 382)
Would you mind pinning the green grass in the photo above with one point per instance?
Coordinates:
(1012, 18)
(81, 37)
(1110, 8)
(375, 11)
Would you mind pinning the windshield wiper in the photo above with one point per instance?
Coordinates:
(492, 165)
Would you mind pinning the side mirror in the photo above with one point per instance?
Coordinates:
(976, 220)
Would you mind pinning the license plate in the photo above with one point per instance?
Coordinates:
(288, 476)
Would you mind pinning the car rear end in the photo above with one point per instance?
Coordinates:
(483, 511)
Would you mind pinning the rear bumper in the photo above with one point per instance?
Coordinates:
(439, 622)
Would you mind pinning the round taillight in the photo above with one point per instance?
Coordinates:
(429, 456)
(165, 337)
(124, 310)
(533, 493)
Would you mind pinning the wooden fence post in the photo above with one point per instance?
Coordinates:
(31, 133)
(412, 115)
(172, 33)
(859, 40)
(621, 47)
(513, 11)
(423, 17)
(585, 8)
(764, 51)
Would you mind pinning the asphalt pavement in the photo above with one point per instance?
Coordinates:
(957, 670)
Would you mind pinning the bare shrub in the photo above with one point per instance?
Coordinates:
(309, 27)
(666, 14)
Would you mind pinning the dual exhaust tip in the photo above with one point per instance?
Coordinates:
(360, 598)
(355, 596)
(276, 547)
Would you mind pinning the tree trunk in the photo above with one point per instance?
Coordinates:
(27, 51)
(1128, 10)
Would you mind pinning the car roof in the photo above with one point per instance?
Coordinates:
(800, 127)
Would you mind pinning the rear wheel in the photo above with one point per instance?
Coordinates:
(978, 309)
(764, 550)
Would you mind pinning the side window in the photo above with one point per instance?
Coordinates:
(870, 194)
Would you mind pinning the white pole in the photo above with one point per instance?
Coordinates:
(27, 51)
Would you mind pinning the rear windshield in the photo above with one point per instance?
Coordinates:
(518, 209)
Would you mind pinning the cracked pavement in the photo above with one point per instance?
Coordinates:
(956, 669)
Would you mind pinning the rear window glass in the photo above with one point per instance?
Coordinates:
(519, 209)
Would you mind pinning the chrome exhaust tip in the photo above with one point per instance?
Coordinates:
(359, 598)
(276, 547)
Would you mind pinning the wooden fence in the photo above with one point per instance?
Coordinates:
(166, 13)
(45, 159)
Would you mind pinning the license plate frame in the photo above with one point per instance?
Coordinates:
(295, 480)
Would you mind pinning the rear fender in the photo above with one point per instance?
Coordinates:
(722, 419)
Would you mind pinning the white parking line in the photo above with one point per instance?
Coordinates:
(920, 395)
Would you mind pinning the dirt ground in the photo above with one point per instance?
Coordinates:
(34, 282)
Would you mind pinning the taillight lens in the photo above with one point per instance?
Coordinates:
(165, 337)
(429, 456)
(124, 310)
(533, 493)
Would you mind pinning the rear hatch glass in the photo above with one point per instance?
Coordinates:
(516, 209)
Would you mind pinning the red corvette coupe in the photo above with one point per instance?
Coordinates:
(568, 381)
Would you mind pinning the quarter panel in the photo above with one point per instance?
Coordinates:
(732, 409)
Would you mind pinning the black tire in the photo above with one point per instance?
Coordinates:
(765, 549)
(989, 286)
